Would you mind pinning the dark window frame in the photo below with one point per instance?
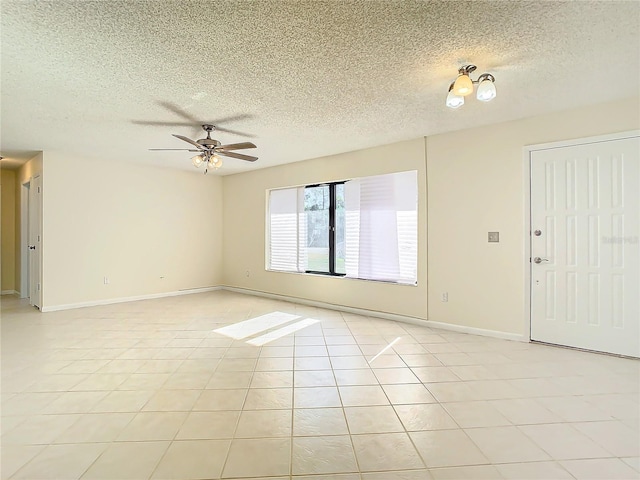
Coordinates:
(332, 228)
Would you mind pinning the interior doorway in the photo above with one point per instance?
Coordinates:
(31, 241)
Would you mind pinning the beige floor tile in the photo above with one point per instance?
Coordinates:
(56, 383)
(237, 365)
(319, 421)
(96, 427)
(358, 376)
(269, 457)
(408, 393)
(422, 474)
(144, 381)
(435, 374)
(385, 451)
(475, 414)
(150, 426)
(349, 362)
(344, 476)
(264, 423)
(573, 409)
(74, 402)
(39, 429)
(447, 448)
(524, 411)
(193, 459)
(230, 380)
(263, 398)
(274, 364)
(600, 469)
(127, 460)
(221, 399)
(316, 397)
(428, 416)
(13, 457)
(328, 454)
(452, 392)
(61, 462)
(172, 401)
(187, 381)
(477, 472)
(208, 426)
(614, 436)
(633, 462)
(533, 471)
(563, 442)
(272, 379)
(312, 363)
(123, 401)
(506, 444)
(314, 378)
(274, 352)
(378, 419)
(420, 360)
(361, 396)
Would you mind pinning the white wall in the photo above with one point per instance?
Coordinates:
(131, 223)
(8, 230)
(244, 230)
(475, 185)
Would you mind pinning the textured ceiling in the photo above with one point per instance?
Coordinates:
(308, 78)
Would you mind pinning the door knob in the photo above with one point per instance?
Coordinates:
(540, 260)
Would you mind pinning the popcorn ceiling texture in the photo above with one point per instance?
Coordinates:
(316, 77)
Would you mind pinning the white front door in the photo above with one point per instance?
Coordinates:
(35, 241)
(585, 246)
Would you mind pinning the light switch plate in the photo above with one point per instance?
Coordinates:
(494, 237)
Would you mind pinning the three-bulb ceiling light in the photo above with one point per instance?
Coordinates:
(463, 86)
(208, 159)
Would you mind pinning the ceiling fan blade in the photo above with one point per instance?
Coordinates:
(188, 140)
(234, 132)
(248, 158)
(231, 118)
(162, 124)
(236, 146)
(181, 149)
(180, 112)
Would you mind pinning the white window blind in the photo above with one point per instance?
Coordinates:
(287, 230)
(381, 236)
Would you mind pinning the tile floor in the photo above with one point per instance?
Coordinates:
(148, 390)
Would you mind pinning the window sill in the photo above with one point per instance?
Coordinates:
(342, 277)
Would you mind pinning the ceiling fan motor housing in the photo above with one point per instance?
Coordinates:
(208, 142)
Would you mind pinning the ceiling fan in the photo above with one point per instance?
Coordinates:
(209, 150)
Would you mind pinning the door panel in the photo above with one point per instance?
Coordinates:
(585, 292)
(35, 241)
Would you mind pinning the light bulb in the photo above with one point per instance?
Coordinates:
(197, 161)
(454, 101)
(463, 85)
(486, 90)
(217, 161)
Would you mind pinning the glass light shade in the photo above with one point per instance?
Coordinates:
(463, 86)
(197, 161)
(486, 91)
(454, 101)
(217, 161)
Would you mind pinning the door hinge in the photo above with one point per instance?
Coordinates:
(38, 189)
(38, 287)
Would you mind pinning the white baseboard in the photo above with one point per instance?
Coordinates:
(477, 331)
(385, 315)
(8, 292)
(109, 301)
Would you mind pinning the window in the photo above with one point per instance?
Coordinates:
(363, 228)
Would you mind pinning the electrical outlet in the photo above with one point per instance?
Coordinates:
(247, 273)
(445, 297)
(494, 237)
(106, 280)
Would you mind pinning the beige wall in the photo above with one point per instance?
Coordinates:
(131, 223)
(475, 185)
(8, 231)
(244, 230)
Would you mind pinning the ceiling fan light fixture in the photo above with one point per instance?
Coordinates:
(217, 161)
(197, 160)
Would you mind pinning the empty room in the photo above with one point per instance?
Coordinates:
(311, 240)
